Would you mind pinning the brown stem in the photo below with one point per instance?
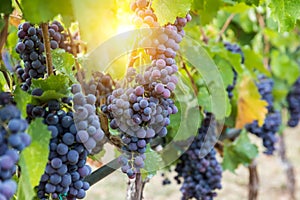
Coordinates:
(253, 181)
(4, 33)
(116, 141)
(262, 25)
(135, 188)
(205, 39)
(288, 168)
(225, 26)
(47, 48)
(190, 77)
(74, 52)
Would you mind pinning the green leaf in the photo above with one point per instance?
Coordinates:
(280, 63)
(2, 82)
(286, 13)
(153, 162)
(237, 8)
(167, 10)
(34, 158)
(64, 63)
(280, 91)
(249, 2)
(254, 61)
(22, 99)
(58, 83)
(241, 151)
(6, 6)
(25, 190)
(37, 11)
(206, 9)
(48, 95)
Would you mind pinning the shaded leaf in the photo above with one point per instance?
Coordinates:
(6, 6)
(206, 9)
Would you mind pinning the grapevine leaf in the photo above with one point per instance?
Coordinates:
(48, 95)
(254, 61)
(207, 10)
(285, 13)
(25, 190)
(6, 6)
(64, 63)
(241, 151)
(58, 83)
(37, 11)
(280, 63)
(237, 8)
(280, 91)
(167, 10)
(2, 82)
(250, 105)
(153, 162)
(249, 2)
(22, 99)
(35, 157)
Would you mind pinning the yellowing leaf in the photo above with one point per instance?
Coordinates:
(250, 105)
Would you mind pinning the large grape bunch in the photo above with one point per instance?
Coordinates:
(273, 119)
(13, 139)
(66, 168)
(87, 122)
(233, 48)
(141, 111)
(30, 47)
(198, 166)
(293, 99)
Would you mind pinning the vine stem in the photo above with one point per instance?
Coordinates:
(262, 25)
(253, 181)
(135, 188)
(205, 39)
(47, 48)
(225, 26)
(288, 168)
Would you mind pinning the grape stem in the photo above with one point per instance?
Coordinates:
(190, 77)
(225, 26)
(19, 5)
(47, 48)
(102, 172)
(116, 141)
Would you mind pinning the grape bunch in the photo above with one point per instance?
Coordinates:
(273, 119)
(268, 131)
(13, 139)
(87, 122)
(31, 47)
(233, 48)
(198, 166)
(66, 168)
(293, 99)
(141, 110)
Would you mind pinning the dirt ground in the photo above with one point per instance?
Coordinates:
(235, 186)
